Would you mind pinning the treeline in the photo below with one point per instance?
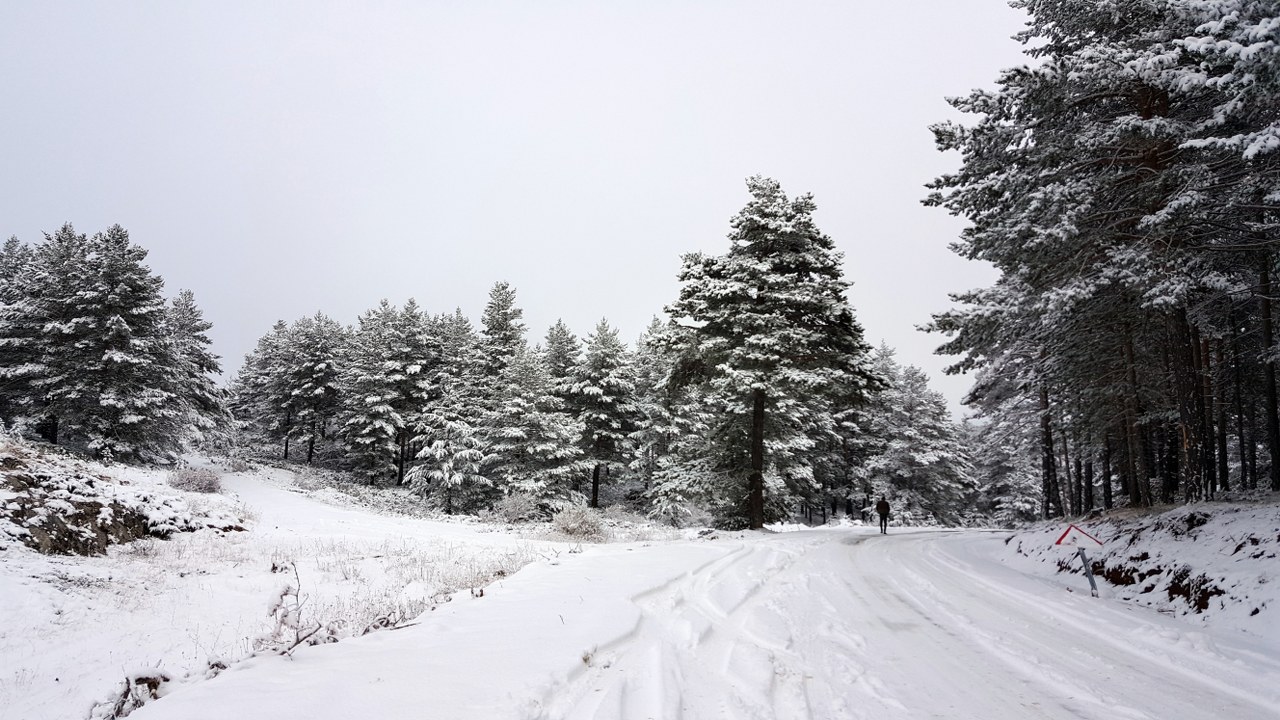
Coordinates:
(757, 397)
(93, 357)
(1127, 188)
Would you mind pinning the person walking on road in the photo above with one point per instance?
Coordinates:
(882, 508)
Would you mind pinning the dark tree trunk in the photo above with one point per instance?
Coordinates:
(1186, 386)
(1220, 404)
(1171, 462)
(1269, 407)
(311, 442)
(1139, 489)
(755, 484)
(1052, 504)
(1088, 485)
(1237, 380)
(1107, 500)
(288, 427)
(595, 485)
(1067, 496)
(1205, 366)
(1254, 432)
(402, 441)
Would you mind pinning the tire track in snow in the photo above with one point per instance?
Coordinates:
(709, 644)
(846, 625)
(1077, 670)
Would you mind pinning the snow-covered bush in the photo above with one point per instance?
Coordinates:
(239, 465)
(517, 508)
(194, 479)
(580, 522)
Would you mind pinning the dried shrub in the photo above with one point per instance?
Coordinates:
(518, 508)
(580, 522)
(201, 480)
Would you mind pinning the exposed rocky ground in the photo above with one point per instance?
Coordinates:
(62, 506)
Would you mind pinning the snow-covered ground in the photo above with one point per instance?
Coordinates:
(829, 623)
(73, 627)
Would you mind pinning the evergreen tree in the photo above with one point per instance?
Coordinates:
(1123, 186)
(112, 380)
(603, 393)
(15, 262)
(563, 353)
(449, 472)
(388, 381)
(501, 328)
(317, 344)
(769, 330)
(194, 366)
(532, 443)
(915, 455)
(40, 329)
(261, 399)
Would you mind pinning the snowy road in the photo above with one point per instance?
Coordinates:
(823, 624)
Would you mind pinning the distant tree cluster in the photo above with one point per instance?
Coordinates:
(1127, 188)
(752, 399)
(91, 354)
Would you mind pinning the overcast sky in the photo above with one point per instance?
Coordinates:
(282, 158)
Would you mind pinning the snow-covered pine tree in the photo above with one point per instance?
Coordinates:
(914, 455)
(768, 327)
(387, 383)
(1119, 185)
(651, 438)
(1007, 469)
(603, 396)
(501, 330)
(450, 462)
(461, 366)
(449, 472)
(40, 328)
(317, 345)
(261, 400)
(532, 443)
(193, 367)
(114, 377)
(15, 263)
(563, 354)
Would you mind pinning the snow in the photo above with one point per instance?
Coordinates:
(836, 622)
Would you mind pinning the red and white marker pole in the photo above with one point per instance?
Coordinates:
(1077, 538)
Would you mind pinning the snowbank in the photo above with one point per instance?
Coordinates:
(62, 506)
(1213, 562)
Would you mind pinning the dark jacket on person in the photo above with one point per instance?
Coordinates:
(882, 507)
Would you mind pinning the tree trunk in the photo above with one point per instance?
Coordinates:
(1186, 386)
(1139, 490)
(311, 442)
(1048, 464)
(1205, 366)
(1088, 485)
(1172, 461)
(1269, 408)
(755, 485)
(1220, 403)
(401, 441)
(595, 485)
(1106, 473)
(1066, 497)
(288, 425)
(1237, 380)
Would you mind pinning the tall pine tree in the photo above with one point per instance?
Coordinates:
(768, 328)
